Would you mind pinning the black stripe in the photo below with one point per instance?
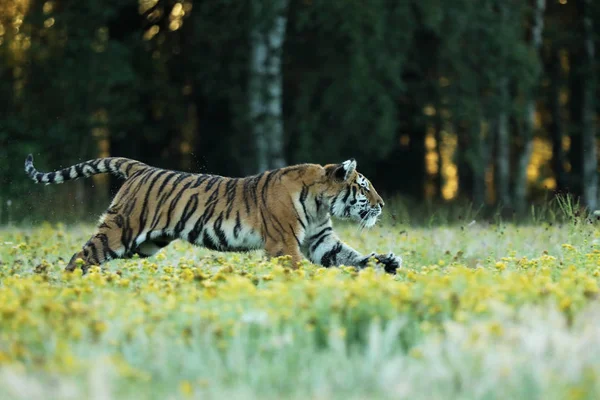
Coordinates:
(198, 226)
(210, 205)
(209, 210)
(149, 174)
(105, 247)
(208, 242)
(126, 236)
(117, 165)
(322, 231)
(294, 233)
(129, 206)
(230, 189)
(199, 180)
(303, 196)
(139, 172)
(65, 173)
(253, 188)
(164, 183)
(285, 171)
(279, 229)
(318, 203)
(128, 169)
(94, 164)
(238, 225)
(330, 257)
(144, 213)
(173, 204)
(78, 170)
(265, 187)
(265, 226)
(245, 193)
(174, 186)
(211, 183)
(51, 176)
(95, 258)
(345, 199)
(162, 197)
(188, 211)
(223, 243)
(132, 186)
(301, 222)
(318, 242)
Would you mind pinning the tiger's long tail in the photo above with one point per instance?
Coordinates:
(119, 166)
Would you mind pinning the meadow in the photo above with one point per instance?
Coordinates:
(479, 310)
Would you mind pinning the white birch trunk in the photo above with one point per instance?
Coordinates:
(266, 114)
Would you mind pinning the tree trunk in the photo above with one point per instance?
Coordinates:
(520, 192)
(556, 126)
(588, 131)
(265, 95)
(463, 161)
(503, 150)
(575, 126)
(479, 162)
(439, 127)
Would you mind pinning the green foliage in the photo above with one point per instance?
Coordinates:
(359, 58)
(357, 77)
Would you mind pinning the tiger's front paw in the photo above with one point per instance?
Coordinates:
(390, 262)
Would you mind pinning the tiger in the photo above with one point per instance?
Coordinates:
(285, 212)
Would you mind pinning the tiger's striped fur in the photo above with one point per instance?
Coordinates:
(286, 211)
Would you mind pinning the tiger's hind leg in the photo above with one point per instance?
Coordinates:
(108, 243)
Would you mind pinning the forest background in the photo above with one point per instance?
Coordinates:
(485, 102)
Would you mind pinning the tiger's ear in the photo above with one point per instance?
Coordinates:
(345, 170)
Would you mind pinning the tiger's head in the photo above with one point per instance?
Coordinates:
(352, 194)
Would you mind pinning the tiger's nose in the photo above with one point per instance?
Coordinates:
(380, 203)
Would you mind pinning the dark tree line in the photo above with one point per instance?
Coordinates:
(493, 101)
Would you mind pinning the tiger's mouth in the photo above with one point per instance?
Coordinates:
(368, 217)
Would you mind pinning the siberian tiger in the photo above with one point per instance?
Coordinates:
(285, 211)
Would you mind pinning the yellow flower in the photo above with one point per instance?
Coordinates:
(208, 283)
(416, 353)
(565, 303)
(496, 329)
(186, 389)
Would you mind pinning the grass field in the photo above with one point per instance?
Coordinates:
(479, 311)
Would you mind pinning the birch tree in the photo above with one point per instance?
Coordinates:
(265, 90)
